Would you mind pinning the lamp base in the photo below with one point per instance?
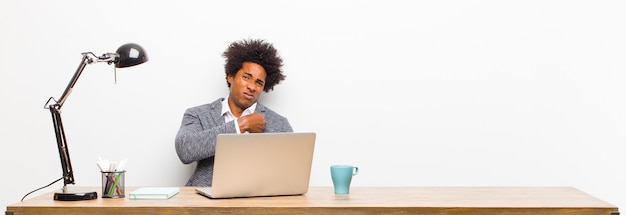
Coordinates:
(75, 196)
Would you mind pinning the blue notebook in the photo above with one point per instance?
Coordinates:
(154, 193)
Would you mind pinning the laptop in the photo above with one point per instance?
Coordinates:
(261, 164)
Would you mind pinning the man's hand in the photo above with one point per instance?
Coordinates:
(253, 123)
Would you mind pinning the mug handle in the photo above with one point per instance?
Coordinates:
(355, 171)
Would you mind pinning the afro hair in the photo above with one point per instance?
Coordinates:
(255, 51)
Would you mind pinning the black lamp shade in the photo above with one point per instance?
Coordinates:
(130, 54)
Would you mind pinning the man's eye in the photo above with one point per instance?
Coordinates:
(244, 77)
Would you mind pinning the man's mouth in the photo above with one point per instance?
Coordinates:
(248, 96)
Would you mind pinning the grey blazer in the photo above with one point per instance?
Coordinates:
(195, 140)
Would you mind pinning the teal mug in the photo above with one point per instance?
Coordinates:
(342, 176)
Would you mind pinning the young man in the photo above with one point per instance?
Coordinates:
(252, 66)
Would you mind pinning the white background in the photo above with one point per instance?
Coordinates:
(415, 93)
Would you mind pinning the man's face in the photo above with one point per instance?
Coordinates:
(246, 86)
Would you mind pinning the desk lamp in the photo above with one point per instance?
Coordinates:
(126, 55)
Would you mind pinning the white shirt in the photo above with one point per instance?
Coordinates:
(228, 115)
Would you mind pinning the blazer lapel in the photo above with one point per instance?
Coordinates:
(216, 112)
(259, 108)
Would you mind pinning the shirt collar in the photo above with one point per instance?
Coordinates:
(226, 108)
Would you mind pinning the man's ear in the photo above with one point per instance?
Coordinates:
(229, 78)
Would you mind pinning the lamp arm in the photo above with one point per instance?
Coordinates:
(64, 153)
(55, 111)
(86, 60)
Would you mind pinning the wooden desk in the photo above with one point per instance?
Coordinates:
(362, 200)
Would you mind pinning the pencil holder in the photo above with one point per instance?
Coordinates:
(113, 184)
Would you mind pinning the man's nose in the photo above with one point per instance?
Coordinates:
(251, 86)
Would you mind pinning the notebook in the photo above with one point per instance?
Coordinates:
(154, 193)
(261, 164)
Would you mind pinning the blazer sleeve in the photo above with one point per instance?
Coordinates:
(196, 136)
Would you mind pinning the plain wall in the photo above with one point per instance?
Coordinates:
(415, 93)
